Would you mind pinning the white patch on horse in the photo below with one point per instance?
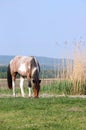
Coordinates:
(29, 67)
(33, 71)
(22, 68)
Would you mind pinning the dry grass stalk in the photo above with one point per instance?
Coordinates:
(79, 69)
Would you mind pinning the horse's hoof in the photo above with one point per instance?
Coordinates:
(14, 95)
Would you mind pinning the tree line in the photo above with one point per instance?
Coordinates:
(45, 73)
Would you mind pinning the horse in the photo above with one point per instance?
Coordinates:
(25, 66)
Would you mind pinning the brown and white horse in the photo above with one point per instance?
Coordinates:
(26, 67)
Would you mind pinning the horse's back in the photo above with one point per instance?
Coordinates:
(23, 63)
(21, 59)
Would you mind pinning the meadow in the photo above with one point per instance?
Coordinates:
(60, 113)
(44, 113)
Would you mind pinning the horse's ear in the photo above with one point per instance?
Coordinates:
(39, 81)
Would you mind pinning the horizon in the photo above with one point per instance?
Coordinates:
(45, 57)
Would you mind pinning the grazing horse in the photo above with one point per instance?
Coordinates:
(26, 67)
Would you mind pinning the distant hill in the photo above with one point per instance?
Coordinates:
(4, 60)
(45, 62)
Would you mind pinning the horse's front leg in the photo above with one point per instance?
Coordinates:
(21, 86)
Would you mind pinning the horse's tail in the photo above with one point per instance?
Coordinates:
(9, 77)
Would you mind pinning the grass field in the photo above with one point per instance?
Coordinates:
(44, 113)
(61, 113)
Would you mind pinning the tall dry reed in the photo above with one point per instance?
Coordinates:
(79, 68)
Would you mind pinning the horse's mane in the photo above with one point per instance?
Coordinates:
(35, 69)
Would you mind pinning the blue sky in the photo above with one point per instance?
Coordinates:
(41, 27)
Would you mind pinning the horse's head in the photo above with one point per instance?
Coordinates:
(36, 87)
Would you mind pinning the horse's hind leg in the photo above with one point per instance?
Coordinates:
(21, 86)
(13, 85)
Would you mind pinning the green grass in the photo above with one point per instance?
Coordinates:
(58, 87)
(61, 113)
(55, 87)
